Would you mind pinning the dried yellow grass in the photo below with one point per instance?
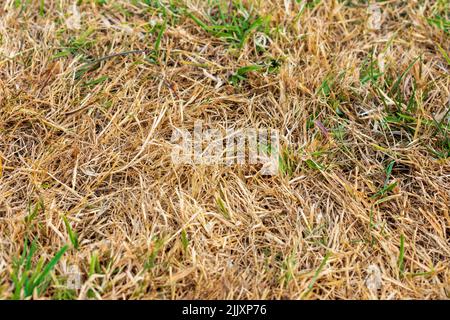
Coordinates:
(99, 153)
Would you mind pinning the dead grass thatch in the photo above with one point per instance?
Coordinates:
(90, 94)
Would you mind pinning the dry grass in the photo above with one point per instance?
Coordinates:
(88, 138)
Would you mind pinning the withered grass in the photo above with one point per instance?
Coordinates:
(86, 116)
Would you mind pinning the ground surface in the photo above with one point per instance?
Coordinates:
(360, 95)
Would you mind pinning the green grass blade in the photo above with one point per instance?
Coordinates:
(317, 273)
(50, 265)
(401, 255)
(184, 240)
(388, 172)
(72, 235)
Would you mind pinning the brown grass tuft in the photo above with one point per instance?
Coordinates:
(87, 110)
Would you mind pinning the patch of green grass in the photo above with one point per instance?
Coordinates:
(444, 54)
(404, 114)
(312, 3)
(400, 119)
(273, 65)
(369, 70)
(158, 29)
(233, 23)
(95, 82)
(440, 22)
(395, 92)
(41, 8)
(312, 164)
(94, 265)
(76, 45)
(222, 207)
(34, 211)
(22, 4)
(286, 163)
(387, 187)
(73, 236)
(94, 268)
(443, 144)
(311, 120)
(339, 132)
(389, 171)
(29, 279)
(151, 261)
(241, 73)
(171, 9)
(325, 87)
(64, 294)
(288, 267)
(184, 240)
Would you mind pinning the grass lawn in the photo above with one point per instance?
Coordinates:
(93, 205)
